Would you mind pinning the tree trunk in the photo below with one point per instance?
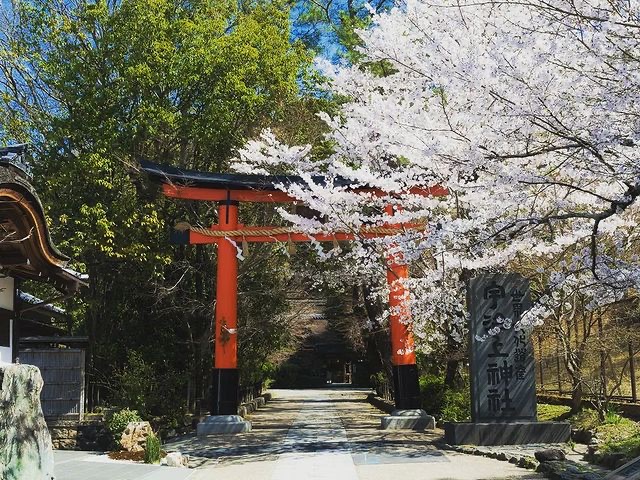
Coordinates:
(577, 394)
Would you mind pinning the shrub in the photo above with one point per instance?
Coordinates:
(450, 404)
(456, 406)
(152, 449)
(119, 421)
(135, 383)
(612, 417)
(432, 391)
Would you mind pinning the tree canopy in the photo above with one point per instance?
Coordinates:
(525, 113)
(97, 86)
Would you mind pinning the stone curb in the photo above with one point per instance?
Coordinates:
(523, 461)
(253, 405)
(554, 470)
(380, 403)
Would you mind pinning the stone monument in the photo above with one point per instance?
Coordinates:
(503, 388)
(628, 471)
(26, 451)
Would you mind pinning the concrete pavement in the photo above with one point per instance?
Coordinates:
(333, 434)
(327, 434)
(71, 465)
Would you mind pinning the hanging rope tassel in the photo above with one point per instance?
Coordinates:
(291, 246)
(245, 247)
(336, 245)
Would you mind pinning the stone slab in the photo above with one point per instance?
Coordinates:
(222, 424)
(503, 433)
(414, 419)
(502, 362)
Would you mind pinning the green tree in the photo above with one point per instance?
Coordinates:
(96, 86)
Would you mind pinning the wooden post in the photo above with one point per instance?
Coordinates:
(558, 368)
(540, 361)
(632, 373)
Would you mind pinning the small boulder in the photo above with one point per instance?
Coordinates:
(550, 455)
(134, 437)
(582, 435)
(176, 459)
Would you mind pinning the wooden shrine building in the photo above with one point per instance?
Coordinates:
(26, 252)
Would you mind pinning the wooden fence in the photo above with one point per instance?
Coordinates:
(63, 374)
(618, 372)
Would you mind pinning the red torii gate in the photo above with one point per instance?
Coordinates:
(228, 190)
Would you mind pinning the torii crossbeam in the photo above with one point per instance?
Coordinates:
(228, 191)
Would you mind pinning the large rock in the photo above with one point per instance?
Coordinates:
(134, 437)
(26, 451)
(176, 459)
(550, 455)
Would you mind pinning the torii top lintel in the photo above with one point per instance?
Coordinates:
(197, 185)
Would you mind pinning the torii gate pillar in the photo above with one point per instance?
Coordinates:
(403, 358)
(225, 382)
(224, 416)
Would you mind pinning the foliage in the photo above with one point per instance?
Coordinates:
(516, 109)
(617, 434)
(117, 423)
(450, 404)
(97, 86)
(432, 392)
(612, 417)
(135, 383)
(152, 451)
(456, 405)
(629, 446)
(330, 27)
(586, 419)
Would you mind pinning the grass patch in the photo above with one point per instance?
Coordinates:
(614, 433)
(629, 446)
(617, 434)
(551, 413)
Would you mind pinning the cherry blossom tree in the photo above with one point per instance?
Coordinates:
(527, 112)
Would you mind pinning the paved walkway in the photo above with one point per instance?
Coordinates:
(332, 434)
(328, 434)
(72, 465)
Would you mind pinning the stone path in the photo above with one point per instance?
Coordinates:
(332, 434)
(328, 434)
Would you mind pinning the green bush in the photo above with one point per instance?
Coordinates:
(135, 383)
(432, 392)
(437, 399)
(119, 421)
(611, 417)
(456, 406)
(152, 449)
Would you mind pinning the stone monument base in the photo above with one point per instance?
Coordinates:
(221, 424)
(506, 433)
(415, 419)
